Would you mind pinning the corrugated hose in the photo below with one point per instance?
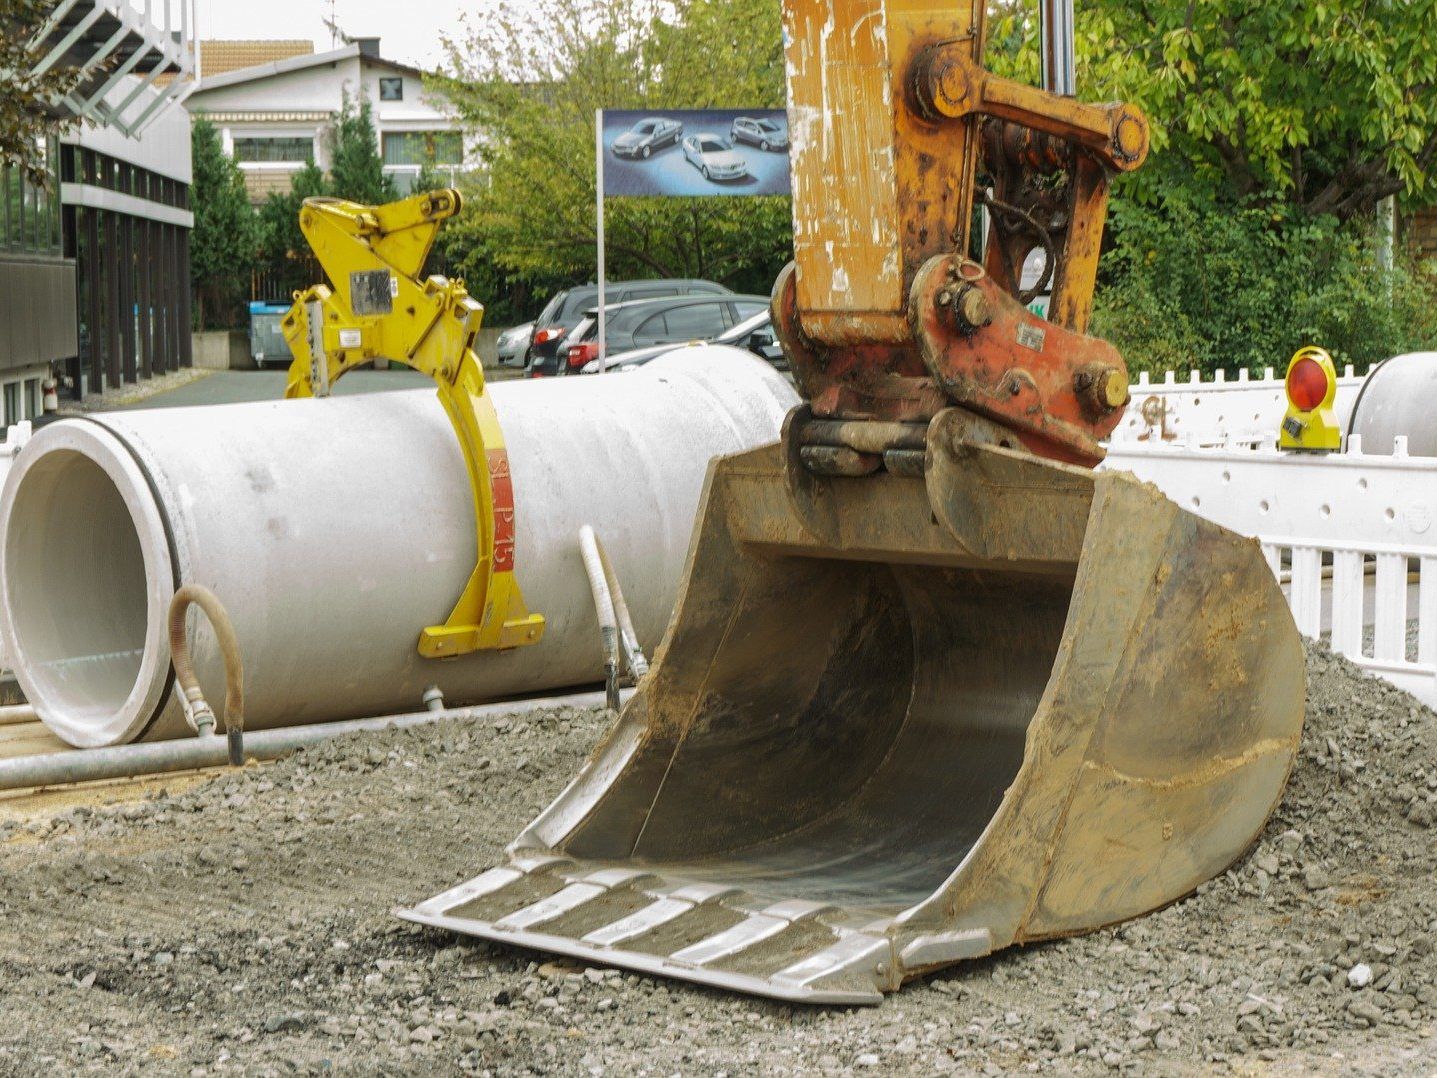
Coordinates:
(197, 710)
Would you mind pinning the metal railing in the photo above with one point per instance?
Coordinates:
(134, 58)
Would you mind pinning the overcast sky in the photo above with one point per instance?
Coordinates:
(408, 29)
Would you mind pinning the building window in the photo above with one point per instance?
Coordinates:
(30, 215)
(286, 150)
(391, 89)
(423, 148)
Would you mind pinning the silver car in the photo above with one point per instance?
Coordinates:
(512, 344)
(763, 133)
(715, 157)
(646, 136)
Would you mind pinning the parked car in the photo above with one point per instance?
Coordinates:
(513, 343)
(765, 134)
(640, 323)
(715, 157)
(563, 312)
(646, 136)
(754, 333)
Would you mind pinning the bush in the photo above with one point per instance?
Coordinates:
(1208, 287)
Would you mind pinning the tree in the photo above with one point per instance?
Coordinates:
(285, 257)
(1327, 107)
(223, 242)
(530, 216)
(26, 117)
(356, 171)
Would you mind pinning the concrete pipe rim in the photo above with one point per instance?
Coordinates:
(118, 706)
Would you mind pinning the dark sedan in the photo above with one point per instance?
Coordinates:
(754, 333)
(646, 136)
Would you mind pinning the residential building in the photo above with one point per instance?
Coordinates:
(94, 266)
(275, 116)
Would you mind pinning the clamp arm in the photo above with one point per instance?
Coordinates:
(378, 308)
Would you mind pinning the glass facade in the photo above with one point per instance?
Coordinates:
(133, 274)
(30, 215)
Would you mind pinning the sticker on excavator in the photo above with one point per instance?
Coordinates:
(1031, 336)
(372, 292)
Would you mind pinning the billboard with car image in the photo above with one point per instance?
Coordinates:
(694, 152)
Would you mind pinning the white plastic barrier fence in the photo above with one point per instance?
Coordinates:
(1351, 535)
(1246, 409)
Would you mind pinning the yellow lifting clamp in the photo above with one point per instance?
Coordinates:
(379, 309)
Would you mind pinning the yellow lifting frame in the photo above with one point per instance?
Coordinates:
(379, 309)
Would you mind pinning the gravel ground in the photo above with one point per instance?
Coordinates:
(243, 926)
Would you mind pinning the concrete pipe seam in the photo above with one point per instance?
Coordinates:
(336, 528)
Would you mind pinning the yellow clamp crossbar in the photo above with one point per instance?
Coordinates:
(380, 309)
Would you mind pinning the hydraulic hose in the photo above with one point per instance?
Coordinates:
(633, 654)
(604, 609)
(197, 709)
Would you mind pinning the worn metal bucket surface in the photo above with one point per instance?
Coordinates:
(900, 722)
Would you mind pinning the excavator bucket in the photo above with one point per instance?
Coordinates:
(901, 721)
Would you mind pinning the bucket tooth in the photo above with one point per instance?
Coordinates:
(658, 913)
(900, 722)
(752, 930)
(570, 898)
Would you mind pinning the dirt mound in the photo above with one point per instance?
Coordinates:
(243, 927)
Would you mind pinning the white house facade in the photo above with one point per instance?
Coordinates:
(275, 117)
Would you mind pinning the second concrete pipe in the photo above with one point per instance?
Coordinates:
(334, 530)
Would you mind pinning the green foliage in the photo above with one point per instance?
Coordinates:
(1328, 107)
(529, 223)
(25, 120)
(1197, 284)
(356, 171)
(428, 178)
(225, 236)
(1276, 131)
(284, 255)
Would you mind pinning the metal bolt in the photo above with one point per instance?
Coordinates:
(973, 308)
(1105, 388)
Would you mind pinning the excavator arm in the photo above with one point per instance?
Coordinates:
(380, 309)
(935, 685)
(884, 315)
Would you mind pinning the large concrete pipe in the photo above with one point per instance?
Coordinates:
(334, 530)
(1396, 398)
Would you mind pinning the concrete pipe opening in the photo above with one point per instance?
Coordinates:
(86, 566)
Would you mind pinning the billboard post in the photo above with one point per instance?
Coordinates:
(599, 210)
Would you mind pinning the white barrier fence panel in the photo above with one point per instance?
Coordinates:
(1245, 409)
(1350, 535)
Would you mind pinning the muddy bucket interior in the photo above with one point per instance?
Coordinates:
(887, 732)
(858, 729)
